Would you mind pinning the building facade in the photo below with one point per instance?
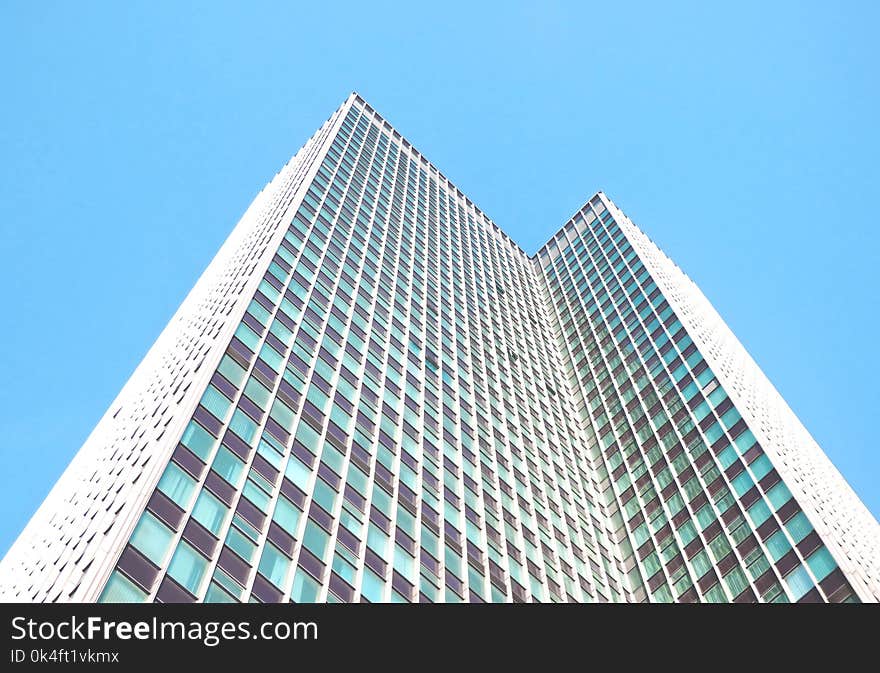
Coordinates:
(373, 394)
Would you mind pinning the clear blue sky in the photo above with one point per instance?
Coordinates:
(744, 140)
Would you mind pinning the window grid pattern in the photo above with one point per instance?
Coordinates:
(449, 373)
(660, 415)
(417, 447)
(850, 532)
(373, 394)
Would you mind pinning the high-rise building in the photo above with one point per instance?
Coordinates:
(374, 394)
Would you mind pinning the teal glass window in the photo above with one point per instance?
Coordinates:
(730, 418)
(232, 370)
(700, 563)
(715, 594)
(229, 466)
(701, 411)
(243, 426)
(714, 432)
(778, 495)
(240, 543)
(256, 309)
(759, 513)
(255, 493)
(286, 515)
(315, 539)
(198, 440)
(745, 441)
(217, 595)
(120, 589)
(188, 567)
(297, 472)
(372, 586)
(247, 336)
(705, 516)
(152, 538)
(778, 545)
(742, 482)
(272, 358)
(308, 437)
(821, 563)
(216, 402)
(798, 527)
(688, 532)
(274, 565)
(210, 512)
(736, 582)
(324, 495)
(282, 414)
(404, 563)
(799, 582)
(177, 485)
(258, 393)
(305, 589)
(717, 396)
(271, 450)
(344, 564)
(727, 457)
(760, 467)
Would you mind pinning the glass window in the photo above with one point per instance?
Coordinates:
(247, 336)
(286, 515)
(282, 413)
(687, 531)
(716, 594)
(729, 419)
(727, 457)
(297, 472)
(152, 538)
(274, 565)
(216, 402)
(778, 545)
(759, 512)
(761, 467)
(188, 567)
(714, 432)
(229, 466)
(799, 582)
(742, 482)
(243, 426)
(240, 544)
(705, 516)
(198, 440)
(257, 392)
(779, 495)
(700, 563)
(305, 589)
(272, 358)
(324, 495)
(315, 539)
(231, 370)
(736, 581)
(177, 485)
(745, 441)
(821, 563)
(210, 512)
(372, 586)
(217, 595)
(120, 589)
(256, 494)
(799, 527)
